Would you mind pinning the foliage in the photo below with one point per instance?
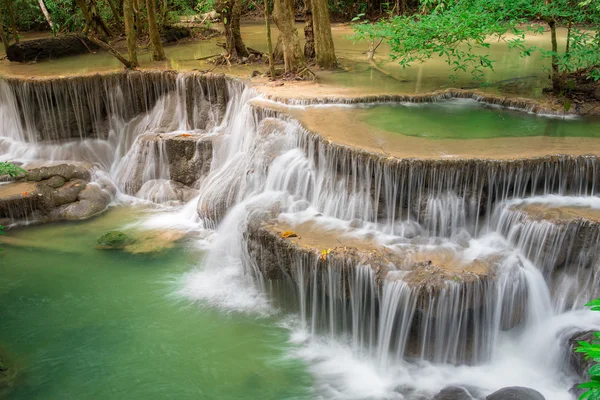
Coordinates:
(461, 32)
(9, 169)
(592, 352)
(205, 6)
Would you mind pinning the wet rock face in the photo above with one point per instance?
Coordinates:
(516, 393)
(82, 106)
(189, 158)
(53, 193)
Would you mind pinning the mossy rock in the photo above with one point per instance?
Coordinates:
(114, 240)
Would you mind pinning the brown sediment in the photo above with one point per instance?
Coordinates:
(559, 214)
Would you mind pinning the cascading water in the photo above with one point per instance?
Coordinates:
(365, 334)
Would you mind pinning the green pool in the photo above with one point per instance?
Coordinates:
(80, 323)
(468, 119)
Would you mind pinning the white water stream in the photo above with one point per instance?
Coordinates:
(367, 346)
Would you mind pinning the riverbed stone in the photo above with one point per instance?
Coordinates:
(516, 393)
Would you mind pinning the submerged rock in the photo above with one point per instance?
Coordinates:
(516, 393)
(141, 242)
(114, 240)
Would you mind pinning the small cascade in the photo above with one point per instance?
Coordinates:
(555, 234)
(417, 266)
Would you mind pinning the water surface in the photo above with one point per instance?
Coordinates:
(468, 119)
(81, 323)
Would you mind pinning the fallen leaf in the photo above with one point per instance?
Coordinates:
(323, 256)
(288, 234)
(185, 135)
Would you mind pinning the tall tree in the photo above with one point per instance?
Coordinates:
(3, 36)
(11, 18)
(324, 48)
(138, 6)
(130, 32)
(46, 13)
(158, 54)
(293, 56)
(231, 11)
(269, 41)
(5, 42)
(309, 35)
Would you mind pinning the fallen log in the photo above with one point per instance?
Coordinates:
(46, 49)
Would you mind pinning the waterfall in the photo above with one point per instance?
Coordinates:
(509, 286)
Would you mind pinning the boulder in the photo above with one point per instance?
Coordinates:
(453, 393)
(577, 361)
(91, 200)
(66, 171)
(114, 240)
(516, 393)
(53, 193)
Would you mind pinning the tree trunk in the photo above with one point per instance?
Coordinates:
(5, 42)
(3, 36)
(240, 47)
(130, 32)
(278, 50)
(324, 48)
(93, 19)
(293, 57)
(309, 35)
(13, 23)
(158, 54)
(556, 84)
(230, 11)
(115, 13)
(46, 13)
(269, 41)
(139, 16)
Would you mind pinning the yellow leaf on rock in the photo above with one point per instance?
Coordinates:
(323, 256)
(288, 234)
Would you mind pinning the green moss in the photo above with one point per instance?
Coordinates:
(114, 240)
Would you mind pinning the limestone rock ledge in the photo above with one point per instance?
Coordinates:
(427, 272)
(53, 193)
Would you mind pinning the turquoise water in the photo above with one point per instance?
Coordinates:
(468, 119)
(81, 323)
